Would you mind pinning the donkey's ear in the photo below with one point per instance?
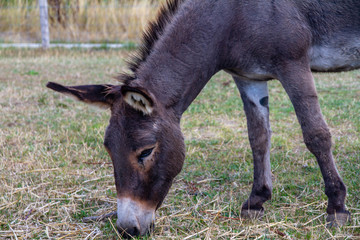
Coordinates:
(100, 95)
(138, 99)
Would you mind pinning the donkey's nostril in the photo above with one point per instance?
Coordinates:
(129, 232)
(135, 232)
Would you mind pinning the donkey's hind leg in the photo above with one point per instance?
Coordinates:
(255, 97)
(298, 82)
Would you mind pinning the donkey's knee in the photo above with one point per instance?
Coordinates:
(318, 141)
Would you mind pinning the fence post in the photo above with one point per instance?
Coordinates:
(45, 38)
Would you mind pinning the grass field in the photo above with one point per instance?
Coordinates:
(54, 169)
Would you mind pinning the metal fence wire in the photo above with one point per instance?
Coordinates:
(76, 21)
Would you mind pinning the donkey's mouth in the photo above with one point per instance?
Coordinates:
(130, 233)
(134, 218)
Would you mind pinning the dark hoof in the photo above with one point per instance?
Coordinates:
(338, 219)
(252, 214)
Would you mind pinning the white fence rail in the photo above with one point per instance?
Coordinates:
(43, 10)
(64, 45)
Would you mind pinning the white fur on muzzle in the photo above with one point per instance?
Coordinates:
(134, 217)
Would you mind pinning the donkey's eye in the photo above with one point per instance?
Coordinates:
(145, 154)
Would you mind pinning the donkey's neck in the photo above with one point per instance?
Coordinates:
(177, 77)
(185, 57)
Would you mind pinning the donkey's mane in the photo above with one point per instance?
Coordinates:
(153, 32)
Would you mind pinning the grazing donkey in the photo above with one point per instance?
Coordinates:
(253, 40)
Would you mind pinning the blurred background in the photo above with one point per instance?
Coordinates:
(77, 21)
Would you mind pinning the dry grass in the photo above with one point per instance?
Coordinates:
(82, 21)
(54, 170)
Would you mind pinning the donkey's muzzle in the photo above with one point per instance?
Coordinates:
(134, 218)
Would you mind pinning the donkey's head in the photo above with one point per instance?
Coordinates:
(146, 147)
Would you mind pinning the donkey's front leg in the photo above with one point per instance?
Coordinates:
(255, 97)
(299, 85)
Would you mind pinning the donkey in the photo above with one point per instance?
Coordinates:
(253, 40)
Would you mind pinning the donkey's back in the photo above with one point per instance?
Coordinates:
(335, 29)
(265, 35)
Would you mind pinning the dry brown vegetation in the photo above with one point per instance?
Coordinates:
(77, 21)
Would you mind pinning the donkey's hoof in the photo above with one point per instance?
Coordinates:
(252, 214)
(338, 219)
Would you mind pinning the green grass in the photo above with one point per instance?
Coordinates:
(54, 169)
